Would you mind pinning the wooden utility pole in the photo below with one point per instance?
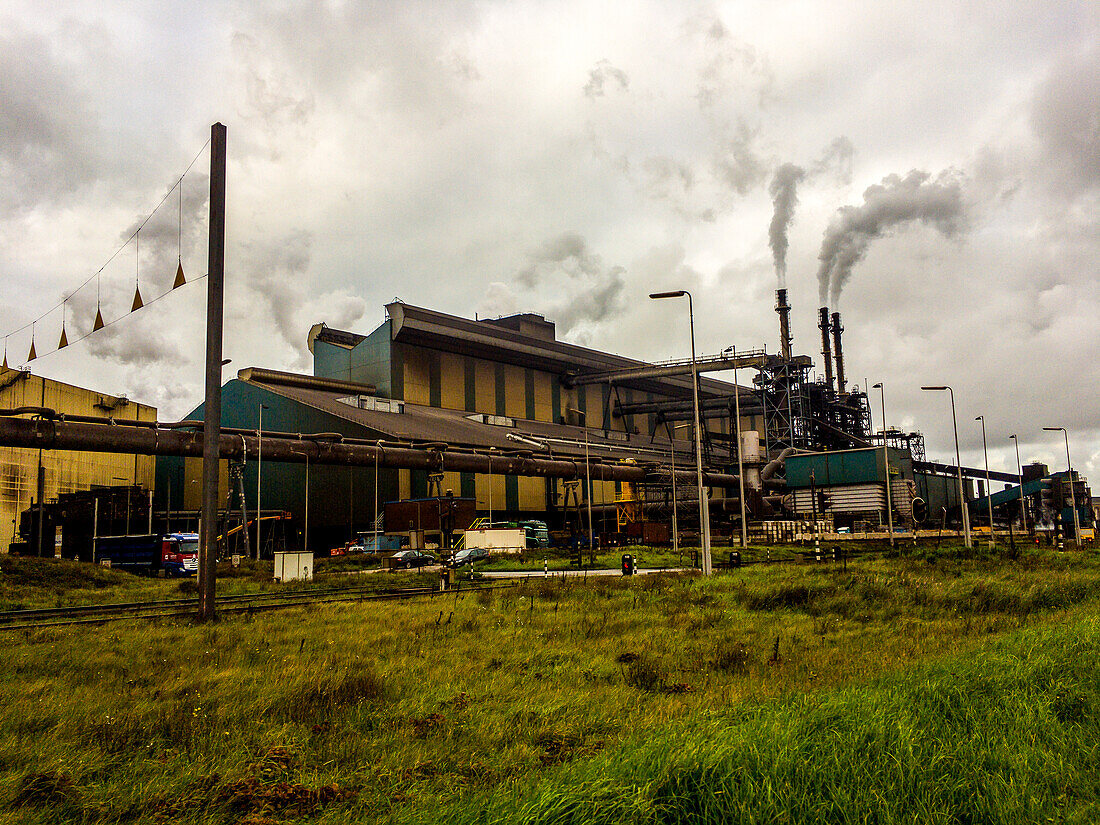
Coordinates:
(212, 419)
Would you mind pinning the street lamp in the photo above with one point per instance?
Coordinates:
(305, 521)
(1020, 470)
(704, 508)
(377, 457)
(259, 476)
(1072, 495)
(886, 456)
(988, 484)
(740, 462)
(958, 465)
(588, 475)
(672, 453)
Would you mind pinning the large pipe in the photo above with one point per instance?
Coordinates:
(723, 403)
(106, 438)
(784, 310)
(838, 354)
(826, 349)
(712, 363)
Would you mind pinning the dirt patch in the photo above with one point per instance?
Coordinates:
(423, 725)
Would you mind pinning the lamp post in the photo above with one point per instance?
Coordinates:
(376, 459)
(958, 465)
(704, 508)
(588, 492)
(305, 520)
(1020, 470)
(1072, 495)
(988, 484)
(259, 476)
(672, 452)
(740, 462)
(886, 457)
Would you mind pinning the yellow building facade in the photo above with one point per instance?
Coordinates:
(63, 471)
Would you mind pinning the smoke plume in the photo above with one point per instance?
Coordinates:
(784, 192)
(894, 202)
(577, 290)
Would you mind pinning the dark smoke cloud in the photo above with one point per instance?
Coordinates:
(593, 294)
(602, 74)
(894, 202)
(783, 190)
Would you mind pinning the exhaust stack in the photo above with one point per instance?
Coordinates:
(826, 349)
(784, 310)
(838, 354)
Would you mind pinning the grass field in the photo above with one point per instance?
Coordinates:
(942, 688)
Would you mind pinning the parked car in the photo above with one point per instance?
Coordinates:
(470, 555)
(412, 558)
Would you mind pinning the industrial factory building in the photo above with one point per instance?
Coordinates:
(29, 476)
(501, 386)
(507, 386)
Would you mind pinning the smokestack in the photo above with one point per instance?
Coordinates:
(826, 349)
(838, 353)
(784, 310)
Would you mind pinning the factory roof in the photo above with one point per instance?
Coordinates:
(403, 421)
(525, 339)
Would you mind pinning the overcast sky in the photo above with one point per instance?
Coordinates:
(932, 168)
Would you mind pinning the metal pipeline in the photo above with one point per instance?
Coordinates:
(317, 449)
(838, 354)
(826, 349)
(773, 466)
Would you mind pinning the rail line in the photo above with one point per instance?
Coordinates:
(34, 618)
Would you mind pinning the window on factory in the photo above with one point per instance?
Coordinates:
(369, 402)
(495, 420)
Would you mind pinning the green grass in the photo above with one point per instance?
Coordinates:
(952, 688)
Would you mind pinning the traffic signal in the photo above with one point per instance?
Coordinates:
(920, 510)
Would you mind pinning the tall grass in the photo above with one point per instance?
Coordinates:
(1007, 736)
(650, 700)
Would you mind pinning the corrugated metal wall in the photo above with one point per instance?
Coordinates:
(64, 471)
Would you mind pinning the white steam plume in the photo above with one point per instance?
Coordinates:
(784, 192)
(894, 202)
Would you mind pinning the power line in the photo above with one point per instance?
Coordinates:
(178, 184)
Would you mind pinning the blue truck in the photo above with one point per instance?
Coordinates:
(176, 554)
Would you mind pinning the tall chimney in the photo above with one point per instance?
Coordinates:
(826, 349)
(838, 353)
(784, 310)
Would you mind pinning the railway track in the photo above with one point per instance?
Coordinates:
(184, 608)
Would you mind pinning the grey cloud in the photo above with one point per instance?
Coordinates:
(275, 270)
(836, 159)
(599, 302)
(1065, 116)
(602, 74)
(592, 292)
(730, 64)
(47, 131)
(894, 202)
(737, 164)
(567, 252)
